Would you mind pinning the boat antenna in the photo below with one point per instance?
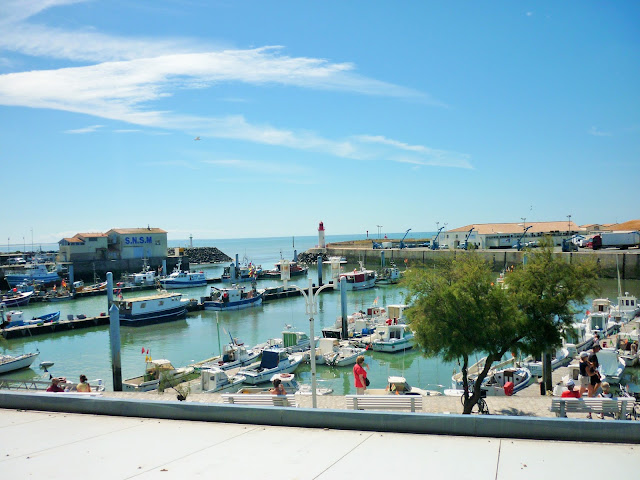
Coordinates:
(218, 328)
(619, 285)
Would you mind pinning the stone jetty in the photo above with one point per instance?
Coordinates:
(206, 255)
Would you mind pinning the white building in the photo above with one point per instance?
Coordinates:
(116, 244)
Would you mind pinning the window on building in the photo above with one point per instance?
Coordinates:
(93, 239)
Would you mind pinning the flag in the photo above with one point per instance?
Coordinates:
(375, 302)
(142, 350)
(147, 351)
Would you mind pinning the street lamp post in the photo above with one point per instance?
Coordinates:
(311, 310)
(569, 226)
(379, 227)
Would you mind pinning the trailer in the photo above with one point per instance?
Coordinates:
(621, 240)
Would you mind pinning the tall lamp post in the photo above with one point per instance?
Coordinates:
(569, 225)
(311, 309)
(379, 227)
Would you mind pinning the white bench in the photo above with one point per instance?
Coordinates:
(615, 406)
(268, 400)
(384, 402)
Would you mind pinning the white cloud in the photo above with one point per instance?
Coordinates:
(89, 129)
(598, 133)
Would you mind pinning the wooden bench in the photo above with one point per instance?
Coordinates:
(615, 406)
(267, 400)
(384, 402)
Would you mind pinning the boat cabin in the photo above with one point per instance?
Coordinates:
(272, 358)
(155, 368)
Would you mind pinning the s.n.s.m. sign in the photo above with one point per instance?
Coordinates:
(137, 240)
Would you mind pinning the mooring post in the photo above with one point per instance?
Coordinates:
(114, 337)
(164, 267)
(319, 270)
(382, 258)
(71, 279)
(109, 290)
(343, 306)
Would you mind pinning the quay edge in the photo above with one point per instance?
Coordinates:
(628, 261)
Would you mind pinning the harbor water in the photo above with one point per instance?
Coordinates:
(201, 334)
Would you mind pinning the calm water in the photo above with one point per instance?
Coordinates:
(196, 337)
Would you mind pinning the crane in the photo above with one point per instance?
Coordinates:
(518, 244)
(435, 245)
(402, 245)
(465, 245)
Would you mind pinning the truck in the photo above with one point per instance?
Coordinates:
(621, 240)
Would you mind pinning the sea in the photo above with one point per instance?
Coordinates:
(202, 333)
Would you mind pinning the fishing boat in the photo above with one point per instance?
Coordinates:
(273, 361)
(504, 378)
(245, 272)
(31, 273)
(290, 341)
(295, 270)
(158, 308)
(183, 279)
(15, 318)
(611, 365)
(626, 309)
(235, 297)
(155, 371)
(388, 276)
(17, 299)
(234, 355)
(599, 319)
(214, 379)
(146, 277)
(10, 363)
(290, 384)
(392, 338)
(359, 279)
(341, 354)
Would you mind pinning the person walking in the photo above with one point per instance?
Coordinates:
(360, 375)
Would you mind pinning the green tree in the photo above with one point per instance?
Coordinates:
(458, 312)
(547, 289)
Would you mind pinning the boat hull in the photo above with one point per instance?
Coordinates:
(18, 363)
(240, 304)
(19, 300)
(391, 347)
(168, 284)
(153, 317)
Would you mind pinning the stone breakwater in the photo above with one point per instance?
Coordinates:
(311, 258)
(205, 255)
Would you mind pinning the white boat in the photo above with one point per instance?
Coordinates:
(159, 308)
(561, 357)
(290, 385)
(10, 363)
(146, 277)
(273, 361)
(16, 299)
(291, 342)
(611, 365)
(155, 370)
(626, 309)
(341, 354)
(183, 279)
(214, 379)
(599, 319)
(388, 276)
(359, 279)
(234, 355)
(235, 297)
(498, 376)
(392, 338)
(32, 273)
(397, 385)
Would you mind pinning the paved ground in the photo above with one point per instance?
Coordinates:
(62, 445)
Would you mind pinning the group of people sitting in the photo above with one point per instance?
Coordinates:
(58, 385)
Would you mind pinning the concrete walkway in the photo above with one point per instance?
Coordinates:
(62, 445)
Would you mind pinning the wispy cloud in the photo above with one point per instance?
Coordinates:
(255, 167)
(89, 129)
(132, 76)
(598, 133)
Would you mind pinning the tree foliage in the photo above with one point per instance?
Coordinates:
(458, 312)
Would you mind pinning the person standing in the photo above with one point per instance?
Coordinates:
(360, 375)
(583, 378)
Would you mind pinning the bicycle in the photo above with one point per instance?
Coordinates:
(481, 407)
(632, 413)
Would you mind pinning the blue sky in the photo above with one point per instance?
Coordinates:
(400, 114)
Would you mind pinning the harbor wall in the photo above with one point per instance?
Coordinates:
(533, 428)
(608, 261)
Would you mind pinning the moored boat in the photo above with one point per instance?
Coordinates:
(398, 385)
(159, 308)
(183, 279)
(295, 270)
(234, 355)
(16, 318)
(290, 384)
(231, 298)
(273, 361)
(392, 338)
(10, 363)
(33, 273)
(214, 379)
(154, 372)
(359, 279)
(246, 272)
(17, 299)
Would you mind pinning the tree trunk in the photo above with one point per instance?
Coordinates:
(546, 372)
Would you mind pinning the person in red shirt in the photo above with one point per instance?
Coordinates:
(360, 375)
(570, 392)
(54, 387)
